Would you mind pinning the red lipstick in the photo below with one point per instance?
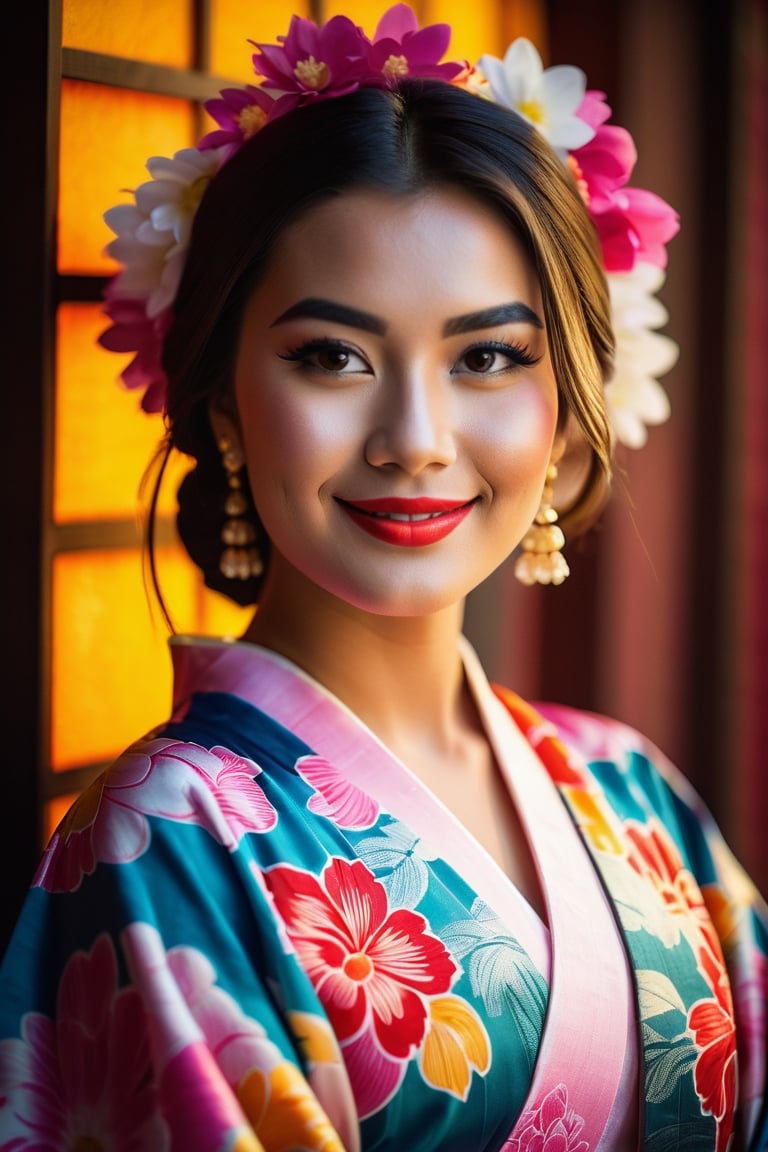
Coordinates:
(411, 523)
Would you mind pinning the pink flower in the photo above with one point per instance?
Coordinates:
(214, 789)
(593, 109)
(240, 113)
(400, 48)
(312, 61)
(184, 1001)
(335, 796)
(84, 1078)
(633, 224)
(552, 1127)
(636, 228)
(371, 967)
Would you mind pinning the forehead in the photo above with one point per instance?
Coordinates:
(393, 250)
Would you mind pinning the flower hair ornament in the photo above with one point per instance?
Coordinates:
(312, 63)
(318, 63)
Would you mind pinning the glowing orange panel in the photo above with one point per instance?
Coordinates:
(203, 613)
(219, 616)
(111, 671)
(110, 667)
(525, 18)
(235, 22)
(102, 440)
(366, 13)
(159, 31)
(55, 812)
(476, 26)
(107, 134)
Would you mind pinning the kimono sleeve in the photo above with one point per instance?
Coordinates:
(146, 996)
(636, 776)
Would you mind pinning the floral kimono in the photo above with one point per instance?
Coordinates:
(259, 931)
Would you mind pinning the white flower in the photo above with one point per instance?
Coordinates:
(152, 234)
(634, 396)
(142, 255)
(547, 97)
(171, 198)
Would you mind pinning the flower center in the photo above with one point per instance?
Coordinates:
(358, 967)
(312, 73)
(251, 120)
(578, 176)
(534, 111)
(395, 66)
(87, 1144)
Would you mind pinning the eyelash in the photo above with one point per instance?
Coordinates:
(518, 354)
(302, 354)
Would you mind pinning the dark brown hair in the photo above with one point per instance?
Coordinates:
(426, 134)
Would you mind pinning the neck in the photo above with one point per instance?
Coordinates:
(401, 675)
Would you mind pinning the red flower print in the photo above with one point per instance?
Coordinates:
(371, 967)
(655, 856)
(711, 1022)
(542, 734)
(551, 1127)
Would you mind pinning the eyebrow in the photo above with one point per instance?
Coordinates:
(513, 313)
(316, 308)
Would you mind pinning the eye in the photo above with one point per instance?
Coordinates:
(328, 356)
(493, 357)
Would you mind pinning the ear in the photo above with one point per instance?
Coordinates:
(573, 457)
(225, 426)
(559, 445)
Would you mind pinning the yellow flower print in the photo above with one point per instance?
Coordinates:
(456, 1042)
(591, 817)
(285, 1112)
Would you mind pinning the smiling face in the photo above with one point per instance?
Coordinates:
(396, 402)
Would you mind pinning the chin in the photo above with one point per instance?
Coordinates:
(402, 598)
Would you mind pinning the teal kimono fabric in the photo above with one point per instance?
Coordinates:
(232, 945)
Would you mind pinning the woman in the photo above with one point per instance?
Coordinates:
(350, 896)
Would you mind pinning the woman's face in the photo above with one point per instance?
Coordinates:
(396, 401)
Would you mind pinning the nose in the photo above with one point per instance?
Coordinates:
(414, 429)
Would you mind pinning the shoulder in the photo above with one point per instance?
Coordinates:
(619, 755)
(642, 786)
(596, 736)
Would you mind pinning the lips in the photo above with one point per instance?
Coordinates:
(413, 523)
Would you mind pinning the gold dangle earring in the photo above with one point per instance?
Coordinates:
(541, 560)
(240, 558)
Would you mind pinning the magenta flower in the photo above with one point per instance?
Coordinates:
(240, 114)
(133, 331)
(312, 61)
(400, 48)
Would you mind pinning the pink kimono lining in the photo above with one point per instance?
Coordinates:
(583, 959)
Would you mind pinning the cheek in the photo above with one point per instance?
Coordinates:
(293, 441)
(516, 433)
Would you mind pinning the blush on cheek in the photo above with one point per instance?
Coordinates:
(521, 429)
